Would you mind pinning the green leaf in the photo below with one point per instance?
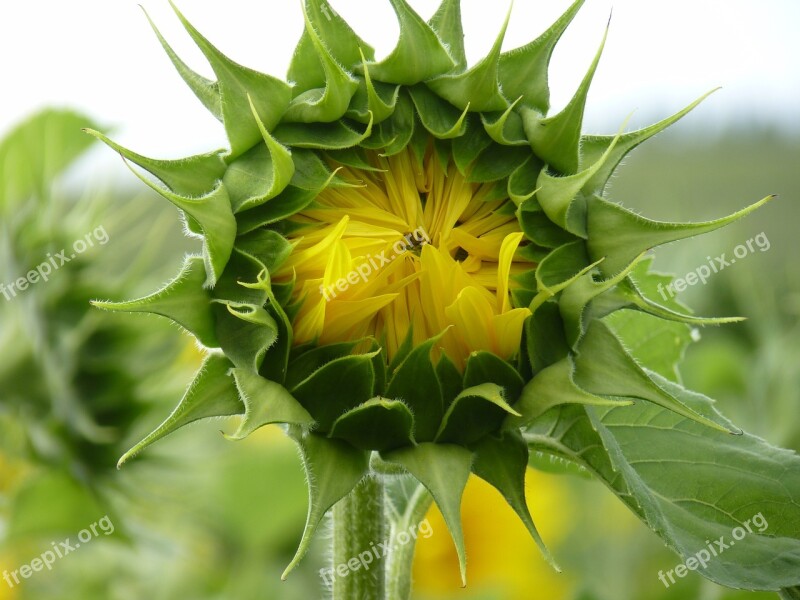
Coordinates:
(266, 402)
(36, 151)
(566, 432)
(652, 341)
(377, 424)
(419, 54)
(192, 176)
(604, 367)
(556, 139)
(478, 87)
(694, 485)
(593, 147)
(333, 468)
(415, 383)
(620, 235)
(206, 91)
(523, 71)
(444, 470)
(211, 394)
(475, 412)
(270, 96)
(441, 119)
(553, 386)
(502, 462)
(183, 300)
(336, 387)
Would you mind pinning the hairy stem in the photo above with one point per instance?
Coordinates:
(359, 527)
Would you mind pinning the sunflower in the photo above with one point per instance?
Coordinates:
(407, 263)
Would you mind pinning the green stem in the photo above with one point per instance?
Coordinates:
(401, 558)
(359, 527)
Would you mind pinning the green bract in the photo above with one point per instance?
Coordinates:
(594, 379)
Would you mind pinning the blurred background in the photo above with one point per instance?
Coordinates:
(199, 517)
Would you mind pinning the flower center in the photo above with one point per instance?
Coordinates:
(412, 249)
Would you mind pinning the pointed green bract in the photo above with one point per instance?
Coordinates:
(502, 463)
(507, 128)
(336, 387)
(333, 469)
(446, 22)
(193, 176)
(438, 117)
(444, 470)
(620, 235)
(561, 198)
(554, 386)
(556, 139)
(523, 71)
(416, 383)
(211, 394)
(475, 412)
(183, 301)
(329, 102)
(477, 88)
(206, 91)
(419, 54)
(265, 403)
(593, 147)
(270, 96)
(378, 424)
(344, 46)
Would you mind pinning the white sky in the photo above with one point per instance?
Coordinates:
(101, 56)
